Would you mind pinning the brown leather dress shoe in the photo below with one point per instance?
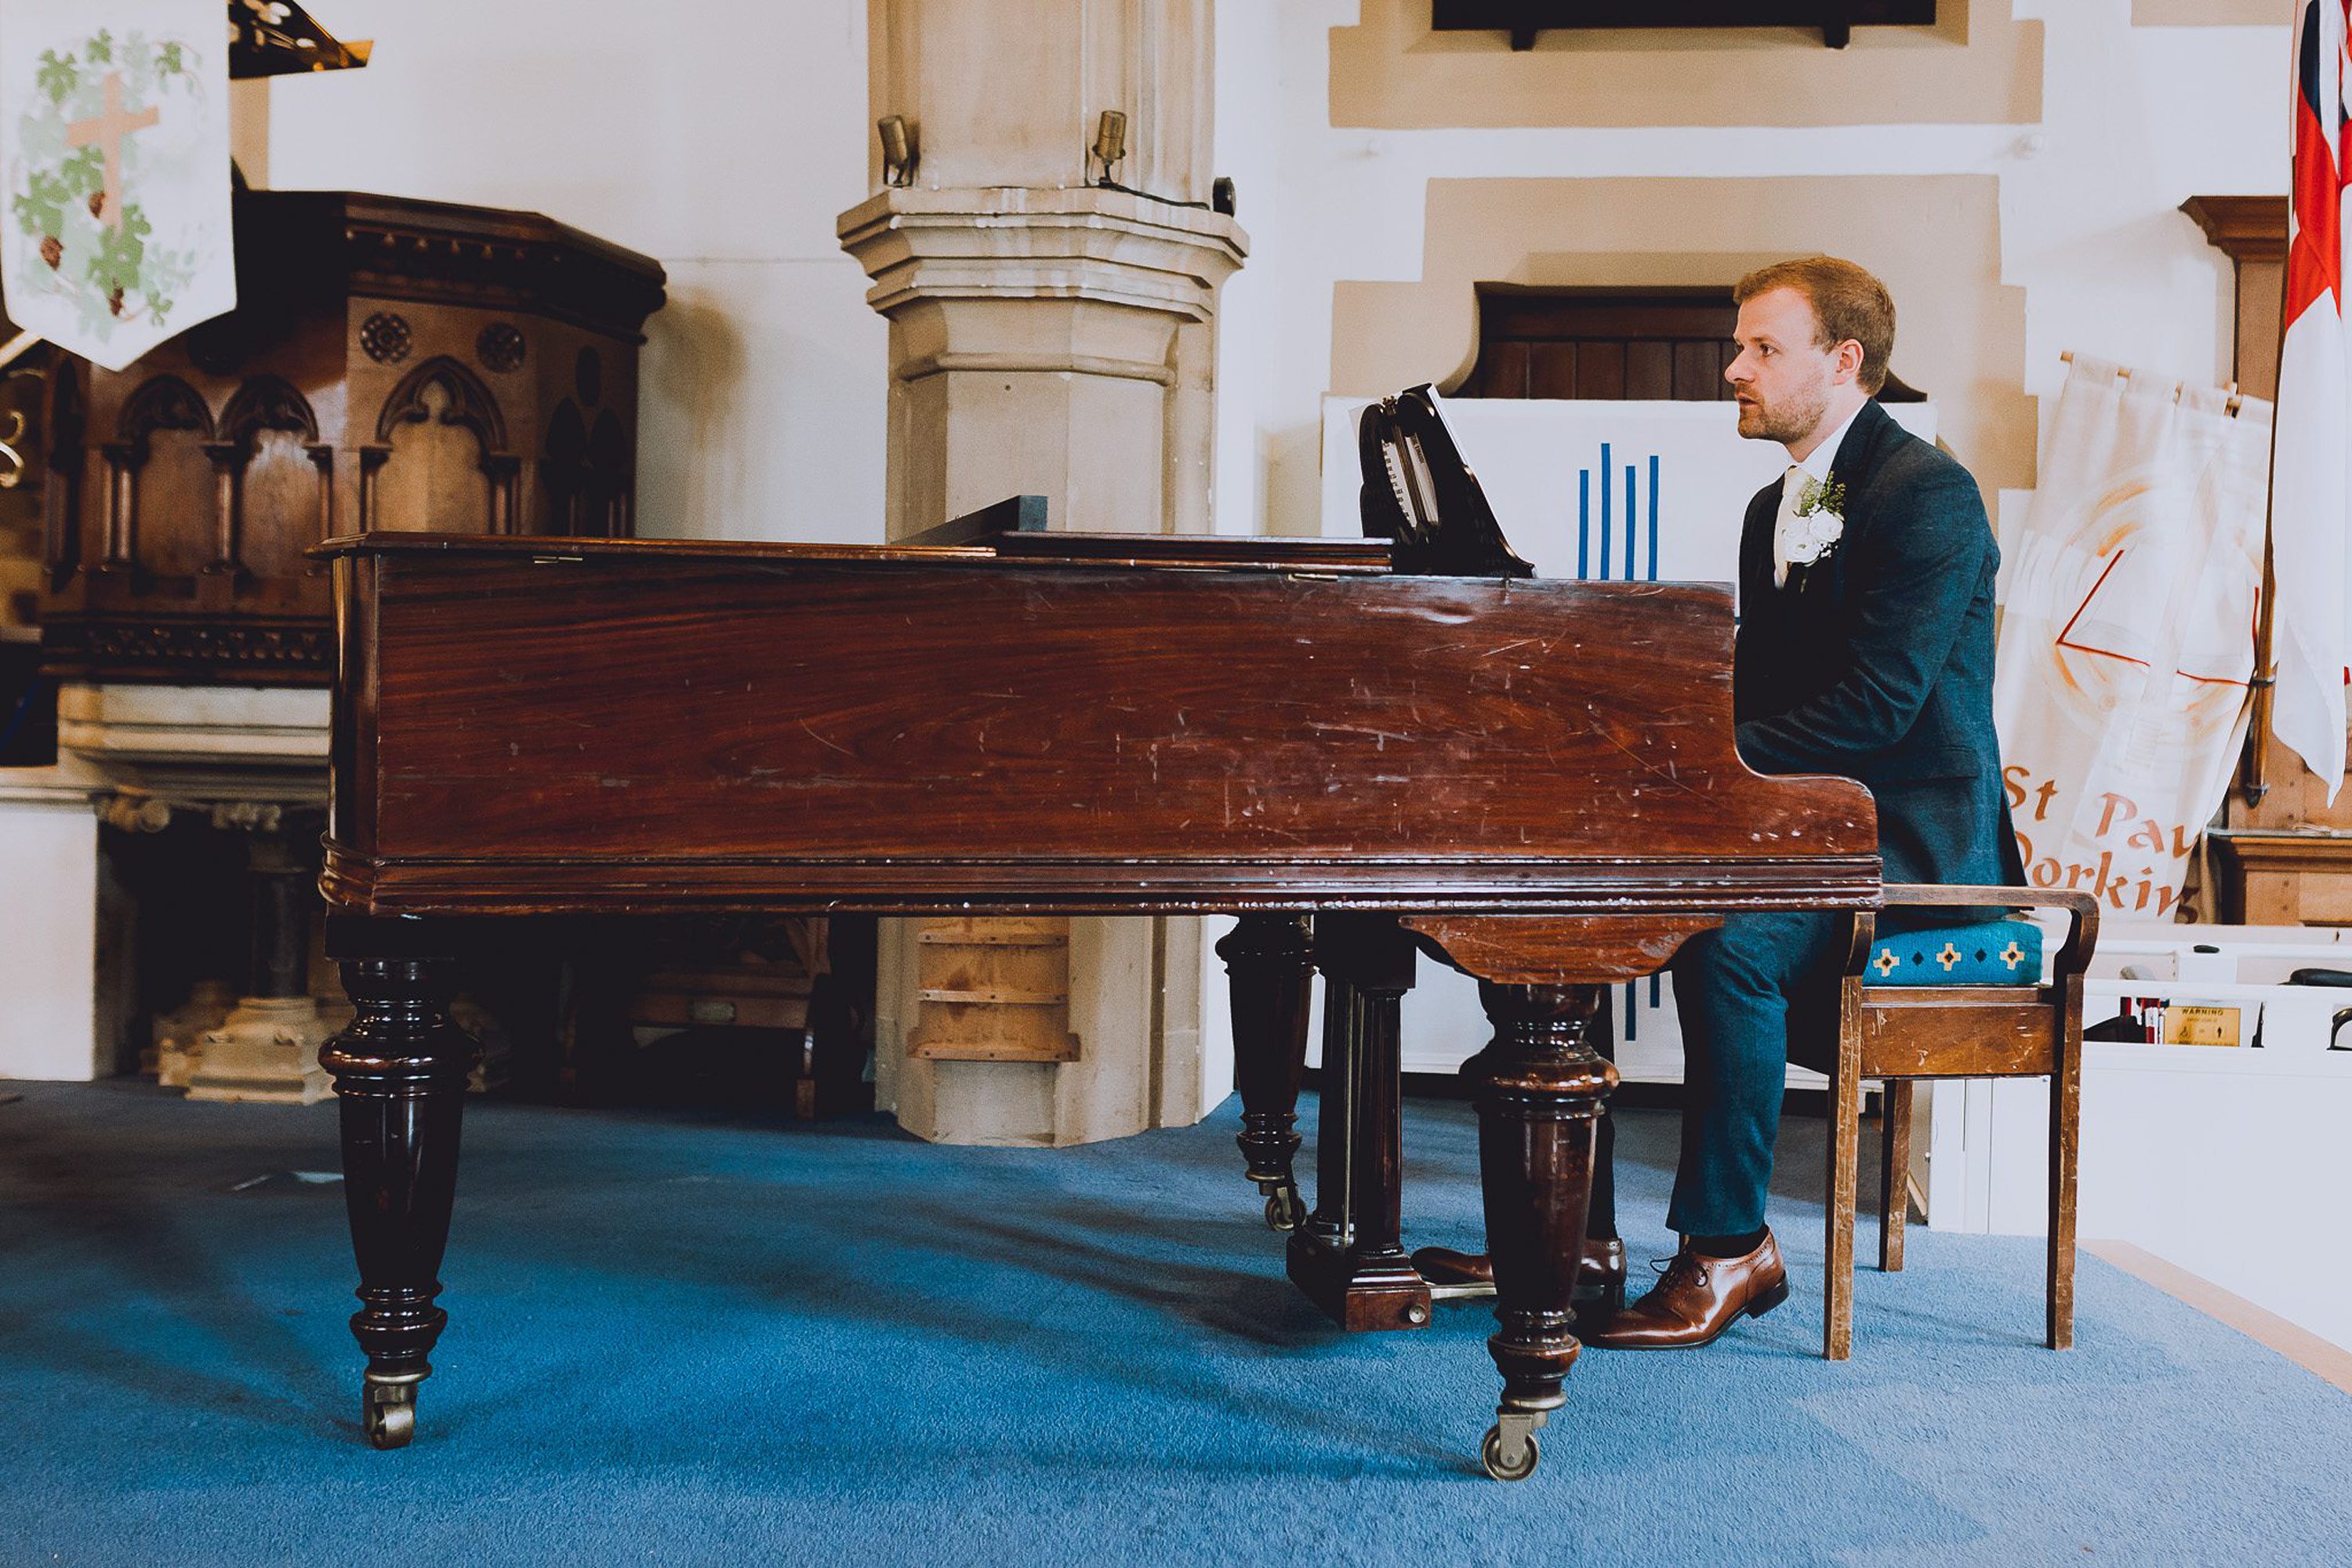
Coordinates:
(1599, 1276)
(1695, 1301)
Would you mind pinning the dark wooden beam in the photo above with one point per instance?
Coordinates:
(2244, 228)
(1524, 19)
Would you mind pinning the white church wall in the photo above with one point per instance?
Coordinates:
(722, 142)
(727, 148)
(2135, 119)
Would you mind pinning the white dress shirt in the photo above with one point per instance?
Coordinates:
(1813, 470)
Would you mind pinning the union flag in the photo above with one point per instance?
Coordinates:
(2311, 463)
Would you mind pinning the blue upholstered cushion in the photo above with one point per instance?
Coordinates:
(1994, 952)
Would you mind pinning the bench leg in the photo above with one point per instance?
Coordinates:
(1895, 1171)
(2065, 1126)
(1846, 1170)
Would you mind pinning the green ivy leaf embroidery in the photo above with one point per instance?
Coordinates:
(41, 207)
(120, 251)
(85, 171)
(59, 76)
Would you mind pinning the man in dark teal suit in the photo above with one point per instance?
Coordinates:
(1864, 649)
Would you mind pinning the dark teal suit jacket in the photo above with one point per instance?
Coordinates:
(1877, 662)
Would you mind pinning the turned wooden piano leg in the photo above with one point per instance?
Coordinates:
(1349, 1256)
(399, 1070)
(1541, 1091)
(1271, 967)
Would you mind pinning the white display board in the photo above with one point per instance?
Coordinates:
(1615, 491)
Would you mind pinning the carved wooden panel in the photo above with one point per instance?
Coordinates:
(563, 473)
(610, 486)
(280, 470)
(160, 477)
(438, 462)
(393, 365)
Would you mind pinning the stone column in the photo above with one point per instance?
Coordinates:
(1050, 334)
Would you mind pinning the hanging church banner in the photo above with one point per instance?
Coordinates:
(114, 141)
(2126, 638)
(1602, 490)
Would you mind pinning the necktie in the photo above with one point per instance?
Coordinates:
(1792, 491)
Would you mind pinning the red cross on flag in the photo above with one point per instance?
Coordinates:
(2310, 464)
(115, 232)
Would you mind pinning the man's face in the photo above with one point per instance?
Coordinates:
(1783, 375)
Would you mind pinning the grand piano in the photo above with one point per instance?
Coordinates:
(1532, 781)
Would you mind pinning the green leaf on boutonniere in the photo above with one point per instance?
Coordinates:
(1822, 495)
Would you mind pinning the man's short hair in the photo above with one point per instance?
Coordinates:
(1847, 301)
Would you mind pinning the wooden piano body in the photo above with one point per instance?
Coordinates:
(1534, 781)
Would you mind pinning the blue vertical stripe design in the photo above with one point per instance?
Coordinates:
(1604, 512)
(1583, 523)
(1654, 516)
(1629, 1013)
(1586, 559)
(1631, 575)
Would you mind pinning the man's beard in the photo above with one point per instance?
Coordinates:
(1786, 422)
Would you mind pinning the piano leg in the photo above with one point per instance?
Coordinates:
(1270, 963)
(1541, 1090)
(1349, 1257)
(399, 1070)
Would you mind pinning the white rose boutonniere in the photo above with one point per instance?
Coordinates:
(1821, 522)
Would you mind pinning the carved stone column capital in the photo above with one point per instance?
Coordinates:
(1009, 243)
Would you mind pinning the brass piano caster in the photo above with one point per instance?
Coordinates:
(1284, 1209)
(1509, 1452)
(388, 1410)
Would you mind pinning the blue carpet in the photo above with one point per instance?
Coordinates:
(680, 1338)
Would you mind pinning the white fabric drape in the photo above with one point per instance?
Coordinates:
(2127, 637)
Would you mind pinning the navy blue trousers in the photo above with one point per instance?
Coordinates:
(1732, 987)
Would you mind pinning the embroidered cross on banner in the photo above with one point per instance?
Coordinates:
(107, 132)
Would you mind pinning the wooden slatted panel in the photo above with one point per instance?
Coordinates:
(1607, 344)
(1551, 369)
(1600, 370)
(1650, 370)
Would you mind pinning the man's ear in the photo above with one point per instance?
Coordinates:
(1849, 361)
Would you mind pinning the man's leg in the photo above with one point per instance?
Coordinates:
(1731, 989)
